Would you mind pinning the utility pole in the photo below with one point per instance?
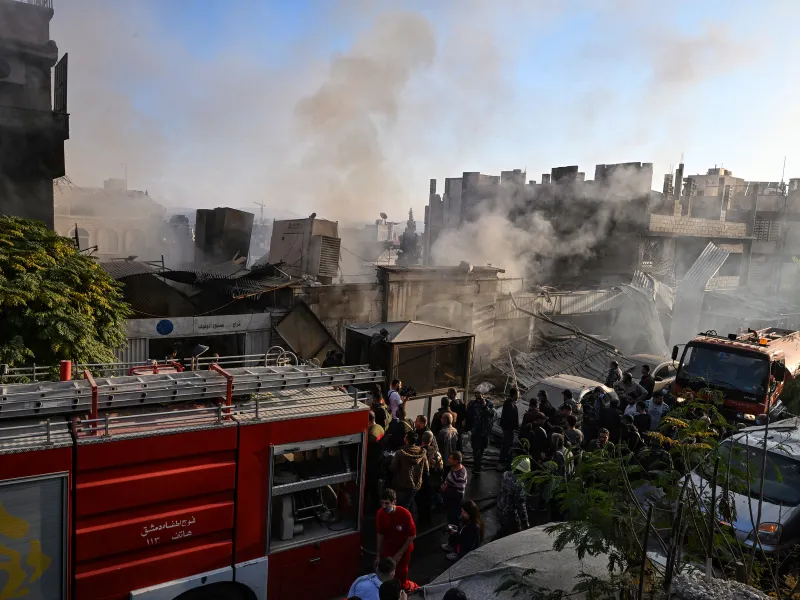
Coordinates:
(261, 204)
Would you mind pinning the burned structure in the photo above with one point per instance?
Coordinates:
(34, 122)
(756, 221)
(222, 235)
(594, 221)
(601, 231)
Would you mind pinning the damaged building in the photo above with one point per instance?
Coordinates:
(632, 227)
(248, 305)
(615, 205)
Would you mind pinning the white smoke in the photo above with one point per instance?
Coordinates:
(531, 238)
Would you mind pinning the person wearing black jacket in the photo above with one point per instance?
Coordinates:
(480, 418)
(458, 407)
(509, 423)
(539, 439)
(544, 405)
(468, 535)
(397, 431)
(611, 419)
(647, 381)
(641, 419)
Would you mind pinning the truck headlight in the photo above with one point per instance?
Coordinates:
(769, 533)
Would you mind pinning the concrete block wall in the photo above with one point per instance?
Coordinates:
(690, 227)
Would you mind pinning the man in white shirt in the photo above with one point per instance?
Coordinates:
(656, 408)
(394, 397)
(367, 587)
(630, 410)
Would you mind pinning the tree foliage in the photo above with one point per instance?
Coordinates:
(55, 303)
(410, 250)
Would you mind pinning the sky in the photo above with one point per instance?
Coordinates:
(348, 108)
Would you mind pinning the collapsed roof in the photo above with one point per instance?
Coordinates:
(579, 356)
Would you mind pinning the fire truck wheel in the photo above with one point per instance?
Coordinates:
(219, 591)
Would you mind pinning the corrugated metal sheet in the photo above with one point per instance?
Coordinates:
(257, 342)
(119, 269)
(649, 323)
(690, 292)
(135, 350)
(704, 268)
(570, 303)
(578, 356)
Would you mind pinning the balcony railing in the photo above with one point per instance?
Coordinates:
(39, 3)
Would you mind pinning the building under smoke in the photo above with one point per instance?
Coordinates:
(571, 232)
(563, 230)
(756, 221)
(115, 222)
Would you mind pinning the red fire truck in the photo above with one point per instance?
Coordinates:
(747, 370)
(218, 484)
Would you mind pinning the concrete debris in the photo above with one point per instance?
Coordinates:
(693, 586)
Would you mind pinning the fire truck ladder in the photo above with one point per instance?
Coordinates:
(90, 395)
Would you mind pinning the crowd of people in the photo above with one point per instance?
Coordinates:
(420, 463)
(601, 419)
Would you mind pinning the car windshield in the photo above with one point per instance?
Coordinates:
(782, 473)
(743, 372)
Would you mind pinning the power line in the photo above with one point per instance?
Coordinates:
(187, 316)
(372, 262)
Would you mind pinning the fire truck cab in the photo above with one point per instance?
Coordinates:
(746, 370)
(216, 484)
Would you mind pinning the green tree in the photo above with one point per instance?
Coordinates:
(410, 249)
(55, 303)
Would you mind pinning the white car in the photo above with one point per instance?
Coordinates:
(554, 386)
(662, 368)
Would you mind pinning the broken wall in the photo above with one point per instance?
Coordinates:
(338, 306)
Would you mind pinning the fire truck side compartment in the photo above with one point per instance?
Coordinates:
(152, 508)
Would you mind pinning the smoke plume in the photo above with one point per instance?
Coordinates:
(532, 234)
(433, 90)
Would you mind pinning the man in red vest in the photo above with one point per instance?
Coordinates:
(396, 533)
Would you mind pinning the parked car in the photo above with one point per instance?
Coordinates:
(662, 368)
(554, 386)
(779, 528)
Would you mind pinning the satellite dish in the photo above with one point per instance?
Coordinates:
(383, 216)
(199, 350)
